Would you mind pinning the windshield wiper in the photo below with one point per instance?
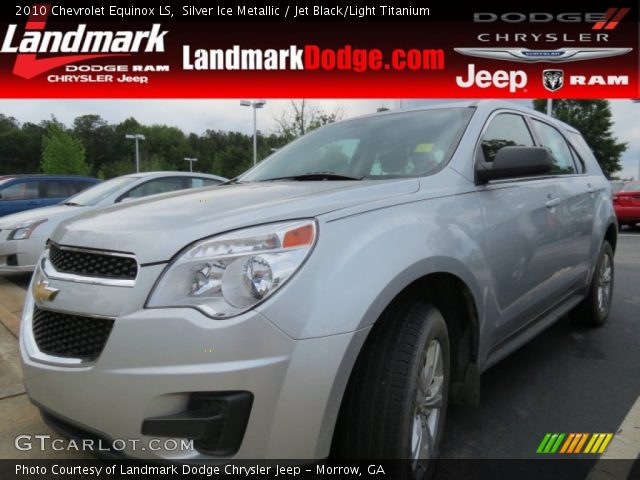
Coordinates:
(73, 204)
(315, 176)
(233, 181)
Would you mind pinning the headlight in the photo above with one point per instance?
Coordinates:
(231, 273)
(22, 231)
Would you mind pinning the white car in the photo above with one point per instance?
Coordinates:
(23, 235)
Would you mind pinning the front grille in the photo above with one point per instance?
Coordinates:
(65, 335)
(92, 264)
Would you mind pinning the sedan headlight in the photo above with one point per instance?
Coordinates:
(231, 273)
(23, 231)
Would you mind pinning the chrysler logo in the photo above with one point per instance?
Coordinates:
(43, 292)
(552, 79)
(551, 56)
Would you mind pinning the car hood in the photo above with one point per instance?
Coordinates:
(154, 229)
(54, 212)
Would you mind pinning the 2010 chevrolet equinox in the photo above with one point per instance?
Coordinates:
(330, 301)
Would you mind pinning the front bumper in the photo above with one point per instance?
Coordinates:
(18, 256)
(155, 360)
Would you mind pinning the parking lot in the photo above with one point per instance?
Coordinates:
(569, 379)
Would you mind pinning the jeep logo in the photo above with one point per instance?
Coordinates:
(514, 80)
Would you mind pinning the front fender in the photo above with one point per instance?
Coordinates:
(362, 262)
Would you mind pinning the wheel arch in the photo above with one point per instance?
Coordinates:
(457, 298)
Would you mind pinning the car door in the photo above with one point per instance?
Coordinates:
(522, 231)
(20, 195)
(577, 192)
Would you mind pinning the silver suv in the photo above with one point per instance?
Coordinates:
(330, 301)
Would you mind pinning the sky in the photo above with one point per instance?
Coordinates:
(196, 116)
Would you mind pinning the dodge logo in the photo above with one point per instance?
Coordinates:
(553, 79)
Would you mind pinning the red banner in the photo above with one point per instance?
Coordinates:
(182, 51)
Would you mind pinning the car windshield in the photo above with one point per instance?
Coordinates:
(94, 195)
(406, 144)
(631, 187)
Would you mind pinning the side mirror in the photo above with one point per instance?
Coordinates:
(514, 162)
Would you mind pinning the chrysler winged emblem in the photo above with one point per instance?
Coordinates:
(552, 56)
(553, 79)
(43, 292)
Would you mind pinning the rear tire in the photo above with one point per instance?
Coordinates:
(594, 309)
(396, 401)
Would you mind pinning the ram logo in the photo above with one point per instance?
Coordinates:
(553, 80)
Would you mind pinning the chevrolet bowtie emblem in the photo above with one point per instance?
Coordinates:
(42, 291)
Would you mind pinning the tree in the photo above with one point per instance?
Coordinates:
(593, 119)
(61, 152)
(301, 117)
(97, 137)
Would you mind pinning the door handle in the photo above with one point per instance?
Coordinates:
(554, 202)
(591, 188)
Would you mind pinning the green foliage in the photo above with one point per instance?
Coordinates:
(21, 145)
(62, 153)
(593, 119)
(93, 146)
(303, 117)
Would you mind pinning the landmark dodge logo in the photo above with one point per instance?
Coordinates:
(91, 43)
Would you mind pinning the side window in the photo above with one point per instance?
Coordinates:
(20, 191)
(505, 130)
(552, 139)
(154, 187)
(577, 161)
(58, 189)
(80, 185)
(202, 182)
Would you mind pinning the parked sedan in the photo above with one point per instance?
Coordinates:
(23, 235)
(626, 202)
(26, 192)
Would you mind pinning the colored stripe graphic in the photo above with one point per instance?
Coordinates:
(579, 446)
(573, 443)
(544, 441)
(550, 443)
(614, 23)
(606, 441)
(607, 16)
(567, 443)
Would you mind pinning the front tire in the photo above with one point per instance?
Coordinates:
(594, 309)
(396, 401)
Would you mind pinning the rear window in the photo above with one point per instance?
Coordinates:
(631, 187)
